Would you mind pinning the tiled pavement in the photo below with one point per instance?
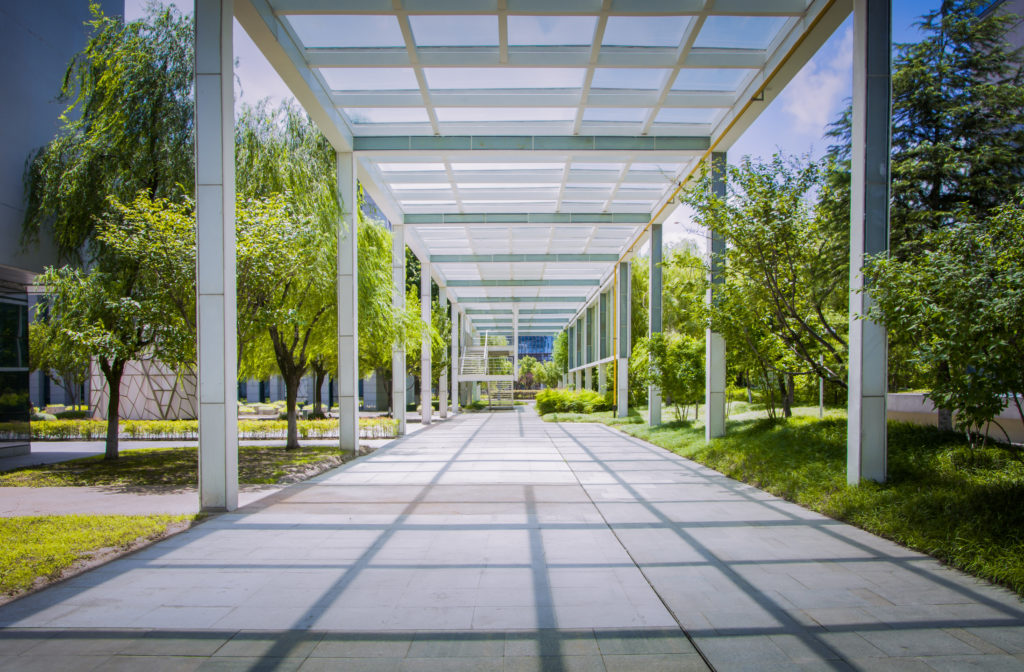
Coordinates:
(498, 542)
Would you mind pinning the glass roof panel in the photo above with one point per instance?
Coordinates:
(370, 79)
(350, 30)
(551, 30)
(454, 31)
(645, 31)
(597, 166)
(506, 166)
(386, 167)
(505, 185)
(739, 32)
(687, 115)
(629, 78)
(660, 167)
(504, 78)
(615, 114)
(710, 79)
(386, 115)
(505, 114)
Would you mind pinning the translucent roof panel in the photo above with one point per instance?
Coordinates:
(386, 115)
(629, 78)
(519, 111)
(504, 78)
(615, 114)
(739, 32)
(347, 31)
(454, 31)
(711, 79)
(370, 79)
(551, 30)
(645, 31)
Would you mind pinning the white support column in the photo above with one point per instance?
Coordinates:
(215, 248)
(348, 299)
(869, 234)
(714, 342)
(456, 331)
(426, 375)
(515, 341)
(442, 382)
(624, 346)
(579, 379)
(602, 378)
(587, 347)
(398, 372)
(654, 321)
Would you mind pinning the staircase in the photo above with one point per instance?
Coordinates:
(489, 361)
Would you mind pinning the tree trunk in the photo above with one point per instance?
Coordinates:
(113, 410)
(319, 373)
(945, 414)
(291, 393)
(787, 410)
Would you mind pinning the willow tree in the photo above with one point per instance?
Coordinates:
(127, 128)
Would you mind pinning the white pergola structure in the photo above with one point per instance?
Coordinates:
(524, 151)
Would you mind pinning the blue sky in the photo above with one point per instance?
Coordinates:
(794, 122)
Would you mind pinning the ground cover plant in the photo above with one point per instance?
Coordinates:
(176, 467)
(43, 547)
(91, 430)
(959, 504)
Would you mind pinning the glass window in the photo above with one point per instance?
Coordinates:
(504, 78)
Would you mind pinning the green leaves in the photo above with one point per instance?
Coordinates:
(960, 304)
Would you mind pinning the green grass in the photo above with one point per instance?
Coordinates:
(167, 466)
(44, 546)
(963, 506)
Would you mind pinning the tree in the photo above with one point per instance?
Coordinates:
(675, 363)
(135, 302)
(286, 268)
(640, 298)
(560, 353)
(786, 270)
(528, 372)
(127, 127)
(958, 120)
(684, 283)
(962, 305)
(64, 362)
(549, 375)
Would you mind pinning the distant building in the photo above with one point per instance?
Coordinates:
(538, 347)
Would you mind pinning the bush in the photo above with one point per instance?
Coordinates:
(88, 430)
(72, 415)
(567, 401)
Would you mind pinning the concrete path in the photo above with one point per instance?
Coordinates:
(498, 542)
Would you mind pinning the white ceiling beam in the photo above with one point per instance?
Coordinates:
(545, 7)
(451, 144)
(535, 218)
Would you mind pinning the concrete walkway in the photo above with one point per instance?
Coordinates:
(498, 542)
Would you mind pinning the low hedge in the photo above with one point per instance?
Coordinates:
(173, 430)
(572, 401)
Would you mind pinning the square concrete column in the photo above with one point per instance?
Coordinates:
(654, 321)
(456, 330)
(624, 346)
(398, 373)
(426, 374)
(869, 234)
(602, 378)
(588, 377)
(215, 252)
(515, 341)
(348, 300)
(579, 379)
(714, 343)
(442, 382)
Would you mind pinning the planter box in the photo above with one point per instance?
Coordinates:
(915, 407)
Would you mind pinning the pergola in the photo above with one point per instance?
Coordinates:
(524, 151)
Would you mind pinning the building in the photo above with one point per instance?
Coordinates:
(37, 39)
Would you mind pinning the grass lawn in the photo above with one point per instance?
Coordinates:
(174, 466)
(962, 506)
(42, 547)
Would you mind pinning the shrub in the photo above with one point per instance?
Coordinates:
(72, 415)
(568, 401)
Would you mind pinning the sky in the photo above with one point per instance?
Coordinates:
(795, 122)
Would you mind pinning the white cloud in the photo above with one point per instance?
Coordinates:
(816, 94)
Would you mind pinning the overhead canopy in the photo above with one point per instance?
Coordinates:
(526, 145)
